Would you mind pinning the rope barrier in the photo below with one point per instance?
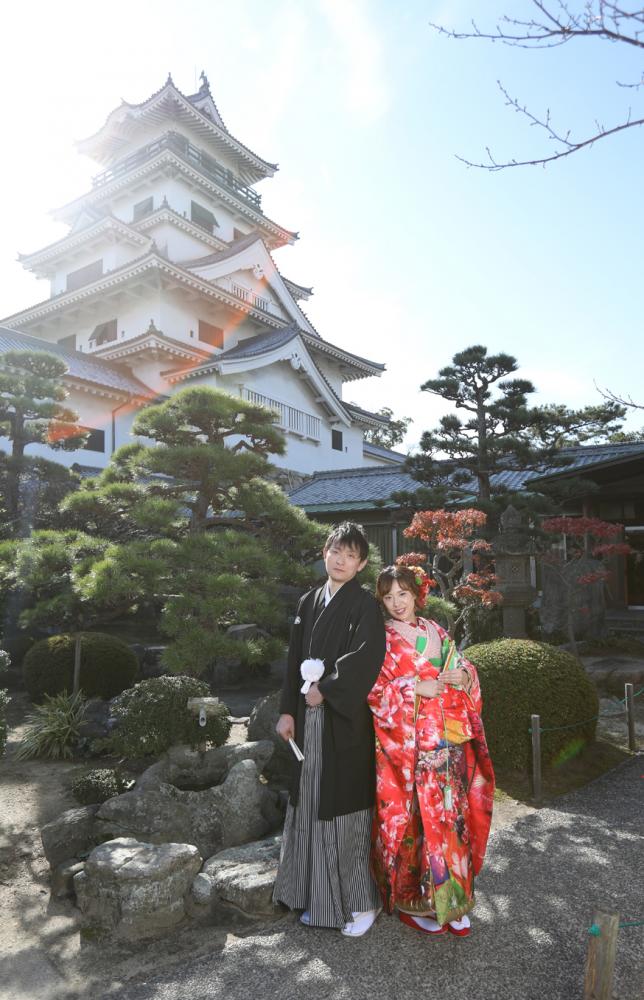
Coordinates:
(584, 722)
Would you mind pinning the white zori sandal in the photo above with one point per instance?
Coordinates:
(361, 923)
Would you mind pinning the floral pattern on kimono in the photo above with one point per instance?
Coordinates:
(426, 849)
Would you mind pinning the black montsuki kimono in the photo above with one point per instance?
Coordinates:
(349, 635)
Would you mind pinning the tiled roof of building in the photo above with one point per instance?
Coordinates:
(82, 367)
(236, 246)
(584, 456)
(352, 486)
(356, 488)
(378, 451)
(252, 347)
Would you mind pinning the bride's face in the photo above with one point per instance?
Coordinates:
(400, 604)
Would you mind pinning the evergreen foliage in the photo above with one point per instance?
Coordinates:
(520, 678)
(32, 411)
(500, 433)
(153, 716)
(208, 535)
(108, 666)
(98, 786)
(390, 435)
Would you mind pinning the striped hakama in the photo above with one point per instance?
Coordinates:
(324, 864)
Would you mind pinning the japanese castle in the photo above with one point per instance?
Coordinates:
(167, 279)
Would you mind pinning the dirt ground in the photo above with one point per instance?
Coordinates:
(41, 953)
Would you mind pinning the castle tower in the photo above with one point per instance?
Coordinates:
(167, 274)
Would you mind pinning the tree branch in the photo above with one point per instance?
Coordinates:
(571, 147)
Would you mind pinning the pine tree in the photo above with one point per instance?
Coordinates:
(501, 433)
(216, 537)
(32, 411)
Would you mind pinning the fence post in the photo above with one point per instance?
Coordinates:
(630, 715)
(77, 662)
(600, 961)
(536, 758)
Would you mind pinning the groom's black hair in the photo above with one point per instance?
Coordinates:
(350, 534)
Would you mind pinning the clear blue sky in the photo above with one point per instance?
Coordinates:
(412, 255)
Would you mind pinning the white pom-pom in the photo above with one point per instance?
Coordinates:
(311, 671)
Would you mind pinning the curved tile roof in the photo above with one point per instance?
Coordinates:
(81, 366)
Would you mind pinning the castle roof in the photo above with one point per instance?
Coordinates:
(86, 369)
(197, 111)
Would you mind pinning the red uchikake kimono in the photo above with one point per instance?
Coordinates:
(426, 851)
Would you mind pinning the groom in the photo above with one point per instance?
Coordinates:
(324, 867)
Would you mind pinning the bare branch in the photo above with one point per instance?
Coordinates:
(622, 400)
(556, 24)
(544, 123)
(559, 29)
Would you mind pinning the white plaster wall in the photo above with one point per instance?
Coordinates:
(177, 245)
(113, 256)
(331, 372)
(95, 412)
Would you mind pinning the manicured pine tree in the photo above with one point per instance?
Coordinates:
(501, 432)
(33, 411)
(197, 506)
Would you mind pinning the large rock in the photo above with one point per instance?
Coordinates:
(240, 876)
(213, 800)
(73, 834)
(62, 878)
(132, 890)
(261, 726)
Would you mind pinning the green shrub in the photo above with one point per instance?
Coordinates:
(99, 785)
(108, 666)
(4, 701)
(440, 610)
(153, 716)
(53, 728)
(481, 623)
(520, 678)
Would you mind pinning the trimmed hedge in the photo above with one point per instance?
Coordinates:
(108, 666)
(98, 786)
(520, 678)
(153, 716)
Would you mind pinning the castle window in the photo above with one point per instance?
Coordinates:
(69, 343)
(142, 208)
(202, 217)
(95, 441)
(336, 440)
(104, 333)
(210, 334)
(84, 275)
(237, 234)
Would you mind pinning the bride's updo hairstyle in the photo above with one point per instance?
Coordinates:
(406, 579)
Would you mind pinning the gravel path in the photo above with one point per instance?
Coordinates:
(545, 875)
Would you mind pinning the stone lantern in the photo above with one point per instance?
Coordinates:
(512, 561)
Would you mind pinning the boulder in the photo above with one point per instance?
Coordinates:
(261, 726)
(213, 800)
(62, 878)
(131, 890)
(73, 834)
(240, 876)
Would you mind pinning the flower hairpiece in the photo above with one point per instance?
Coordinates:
(423, 582)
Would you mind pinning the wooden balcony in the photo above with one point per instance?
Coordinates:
(251, 297)
(205, 164)
(289, 418)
